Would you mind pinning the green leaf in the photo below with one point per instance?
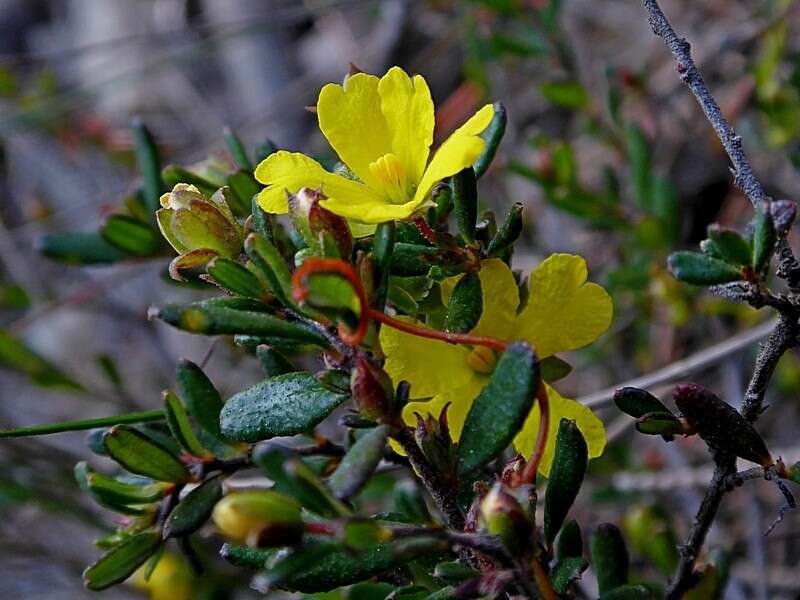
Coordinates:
(115, 494)
(637, 402)
(246, 557)
(236, 148)
(699, 269)
(764, 238)
(181, 428)
(628, 592)
(508, 233)
(498, 413)
(567, 94)
(292, 477)
(570, 541)
(731, 246)
(359, 463)
(659, 423)
(194, 509)
(492, 135)
(120, 563)
(641, 167)
(465, 198)
(210, 318)
(234, 277)
(80, 248)
(272, 267)
(609, 558)
(141, 455)
(173, 174)
(17, 356)
(244, 188)
(201, 397)
(455, 572)
(273, 362)
(567, 571)
(566, 476)
(465, 305)
(554, 368)
(131, 235)
(149, 166)
(284, 405)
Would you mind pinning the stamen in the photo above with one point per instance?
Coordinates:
(391, 176)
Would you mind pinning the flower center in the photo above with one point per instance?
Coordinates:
(482, 360)
(391, 176)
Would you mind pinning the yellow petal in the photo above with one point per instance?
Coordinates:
(408, 109)
(460, 402)
(458, 151)
(289, 171)
(430, 366)
(560, 408)
(367, 209)
(563, 312)
(500, 299)
(350, 117)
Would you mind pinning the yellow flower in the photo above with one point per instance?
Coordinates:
(564, 312)
(382, 129)
(172, 579)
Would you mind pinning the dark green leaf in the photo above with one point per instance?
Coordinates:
(118, 564)
(244, 188)
(194, 509)
(273, 362)
(498, 413)
(173, 174)
(141, 455)
(554, 368)
(508, 233)
(566, 476)
(236, 148)
(609, 558)
(246, 557)
(201, 397)
(17, 356)
(637, 402)
(359, 463)
(567, 571)
(117, 495)
(181, 428)
(272, 267)
(383, 247)
(492, 135)
(131, 235)
(284, 405)
(699, 269)
(209, 318)
(455, 572)
(80, 248)
(659, 423)
(567, 94)
(570, 541)
(149, 166)
(465, 305)
(764, 238)
(465, 199)
(234, 277)
(730, 246)
(629, 592)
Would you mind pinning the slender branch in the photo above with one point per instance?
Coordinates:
(442, 493)
(529, 473)
(686, 367)
(744, 177)
(82, 425)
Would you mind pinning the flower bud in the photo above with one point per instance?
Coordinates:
(190, 221)
(172, 579)
(259, 518)
(433, 438)
(325, 233)
(502, 516)
(372, 391)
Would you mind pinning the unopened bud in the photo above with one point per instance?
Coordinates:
(433, 438)
(190, 221)
(171, 579)
(325, 233)
(502, 516)
(372, 391)
(259, 518)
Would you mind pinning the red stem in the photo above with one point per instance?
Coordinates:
(529, 473)
(425, 229)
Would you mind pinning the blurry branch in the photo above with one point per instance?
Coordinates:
(784, 333)
(744, 176)
(688, 366)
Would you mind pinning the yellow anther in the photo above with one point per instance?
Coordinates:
(482, 360)
(391, 176)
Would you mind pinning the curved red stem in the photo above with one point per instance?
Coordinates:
(529, 473)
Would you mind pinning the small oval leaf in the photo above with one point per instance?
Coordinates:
(141, 455)
(118, 564)
(284, 405)
(465, 305)
(609, 558)
(194, 510)
(699, 269)
(637, 402)
(566, 476)
(359, 463)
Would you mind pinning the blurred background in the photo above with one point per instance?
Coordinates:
(605, 148)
